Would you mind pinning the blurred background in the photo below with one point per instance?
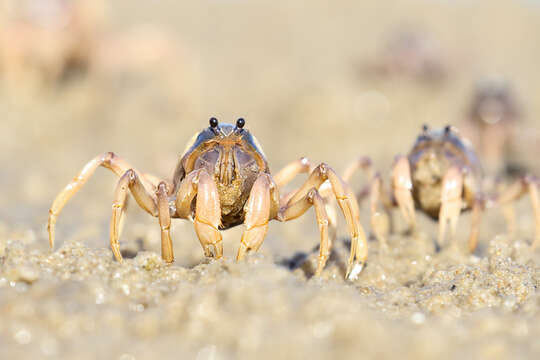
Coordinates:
(312, 78)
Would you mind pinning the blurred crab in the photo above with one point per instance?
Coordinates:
(44, 41)
(491, 123)
(441, 176)
(223, 180)
(411, 53)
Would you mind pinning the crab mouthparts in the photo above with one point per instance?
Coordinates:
(226, 166)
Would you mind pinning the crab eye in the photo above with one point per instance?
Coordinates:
(240, 123)
(425, 127)
(213, 122)
(447, 129)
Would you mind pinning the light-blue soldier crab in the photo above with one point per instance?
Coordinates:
(441, 176)
(223, 180)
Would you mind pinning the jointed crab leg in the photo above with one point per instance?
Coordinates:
(451, 203)
(379, 220)
(108, 160)
(294, 210)
(257, 216)
(518, 189)
(164, 222)
(402, 189)
(152, 179)
(349, 207)
(318, 176)
(130, 180)
(291, 170)
(477, 209)
(363, 163)
(287, 174)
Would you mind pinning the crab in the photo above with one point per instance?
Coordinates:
(491, 123)
(43, 42)
(410, 53)
(441, 176)
(223, 180)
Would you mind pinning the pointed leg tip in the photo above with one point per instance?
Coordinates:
(319, 270)
(354, 270)
(118, 256)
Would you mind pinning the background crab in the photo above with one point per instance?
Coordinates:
(441, 176)
(45, 41)
(492, 119)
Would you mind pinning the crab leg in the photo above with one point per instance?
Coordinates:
(518, 189)
(257, 216)
(349, 207)
(130, 181)
(288, 173)
(294, 210)
(477, 210)
(452, 188)
(362, 163)
(108, 160)
(291, 170)
(164, 217)
(332, 219)
(152, 179)
(402, 188)
(207, 209)
(380, 221)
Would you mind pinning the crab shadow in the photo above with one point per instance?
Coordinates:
(307, 261)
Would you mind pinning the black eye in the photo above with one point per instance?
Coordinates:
(447, 129)
(425, 128)
(213, 122)
(240, 123)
